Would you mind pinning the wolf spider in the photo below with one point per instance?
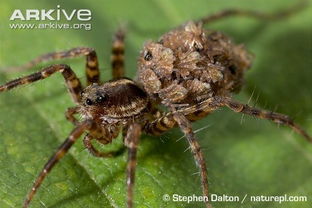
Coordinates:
(190, 70)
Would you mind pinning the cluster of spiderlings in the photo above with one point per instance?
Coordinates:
(189, 64)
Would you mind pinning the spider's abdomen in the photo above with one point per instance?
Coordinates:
(114, 101)
(189, 63)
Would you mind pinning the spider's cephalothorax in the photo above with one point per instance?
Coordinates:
(113, 105)
(113, 102)
(192, 71)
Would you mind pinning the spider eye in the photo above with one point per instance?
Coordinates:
(89, 102)
(232, 69)
(101, 99)
(148, 56)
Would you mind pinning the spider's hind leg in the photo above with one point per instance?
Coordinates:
(92, 64)
(186, 128)
(263, 114)
(72, 82)
(254, 14)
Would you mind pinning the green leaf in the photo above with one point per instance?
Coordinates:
(244, 155)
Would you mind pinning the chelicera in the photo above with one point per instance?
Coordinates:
(189, 70)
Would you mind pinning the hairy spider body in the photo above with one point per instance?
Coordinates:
(190, 70)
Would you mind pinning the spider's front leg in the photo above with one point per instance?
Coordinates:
(70, 112)
(92, 64)
(88, 144)
(118, 54)
(62, 150)
(131, 141)
(72, 82)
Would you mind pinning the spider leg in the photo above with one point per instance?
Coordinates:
(263, 114)
(70, 112)
(254, 14)
(160, 125)
(131, 141)
(118, 51)
(88, 144)
(92, 64)
(186, 128)
(72, 82)
(62, 150)
(193, 113)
